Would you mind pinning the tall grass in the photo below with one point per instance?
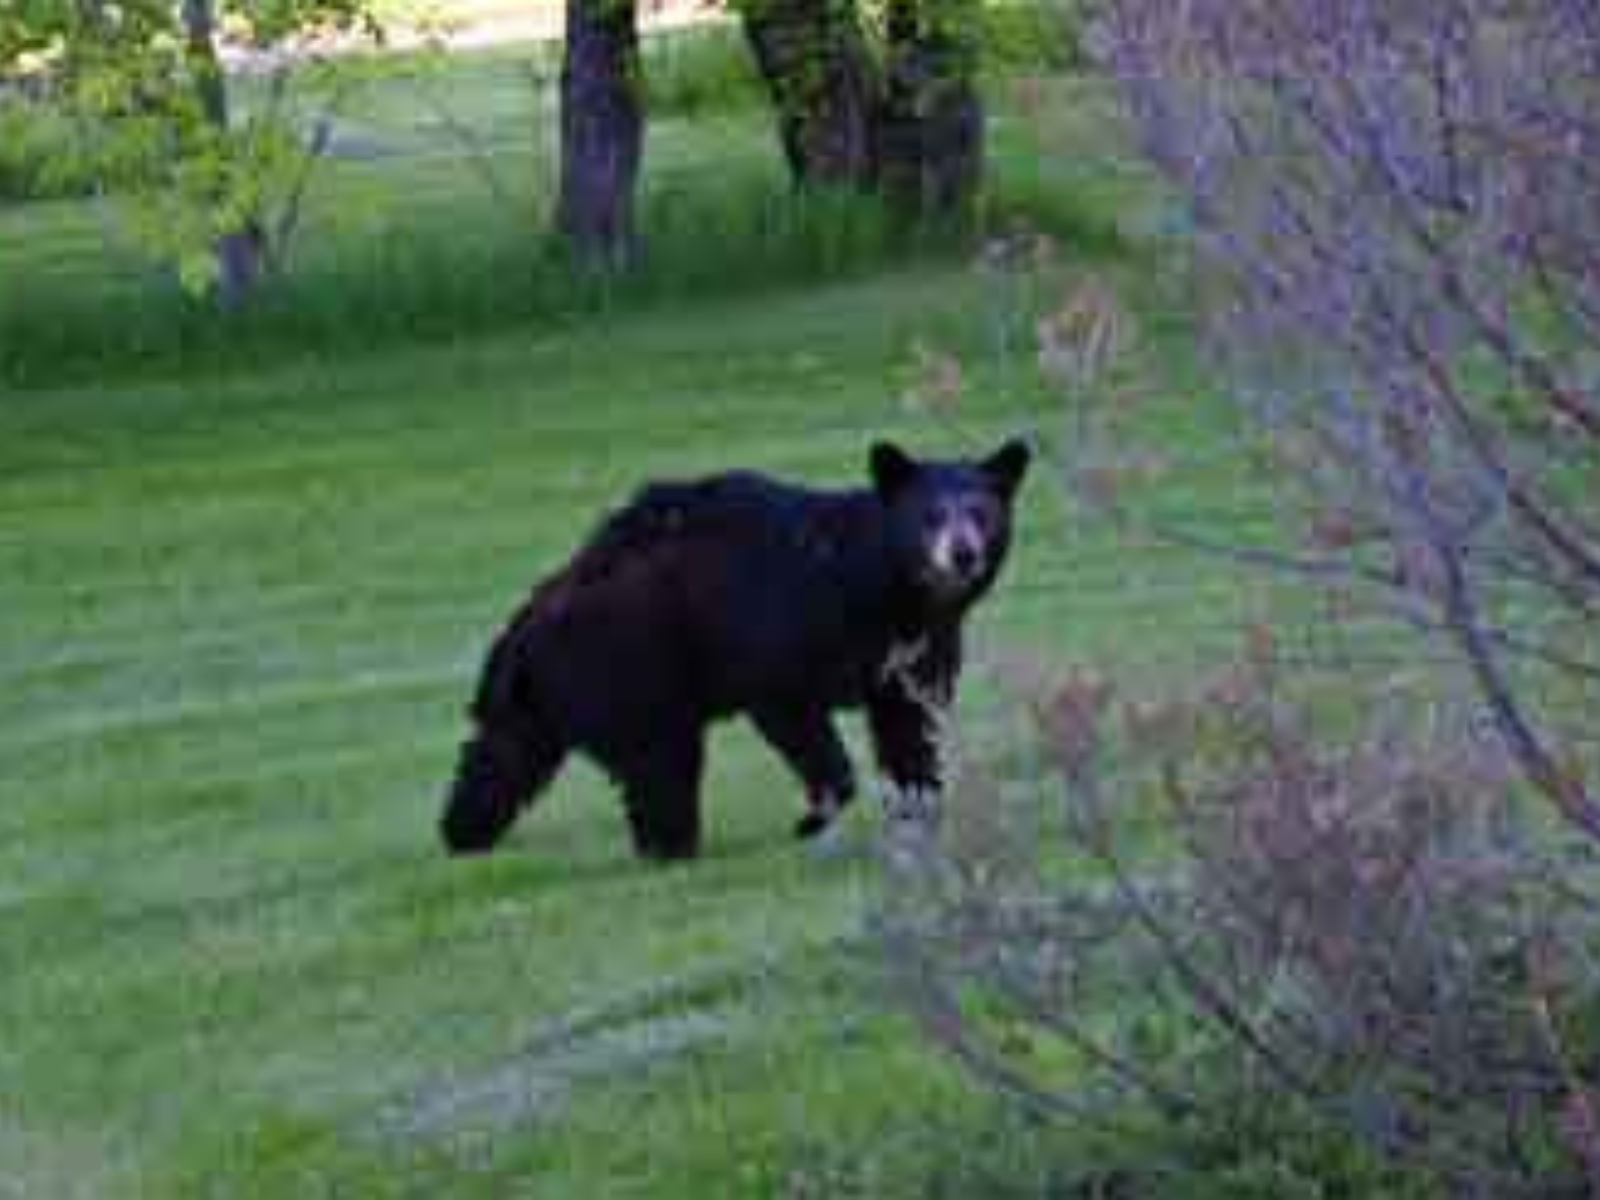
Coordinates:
(739, 230)
(732, 234)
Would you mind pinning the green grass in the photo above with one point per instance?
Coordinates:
(241, 617)
(245, 586)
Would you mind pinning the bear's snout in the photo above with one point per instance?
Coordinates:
(959, 550)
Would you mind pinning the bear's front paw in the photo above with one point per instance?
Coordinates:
(812, 823)
(916, 803)
(825, 808)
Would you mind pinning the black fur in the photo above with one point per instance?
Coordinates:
(732, 595)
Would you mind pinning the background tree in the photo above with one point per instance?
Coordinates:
(825, 87)
(602, 130)
(931, 119)
(240, 242)
(899, 114)
(211, 185)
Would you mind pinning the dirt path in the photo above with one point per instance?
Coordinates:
(546, 22)
(469, 27)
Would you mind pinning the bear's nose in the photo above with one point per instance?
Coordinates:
(964, 558)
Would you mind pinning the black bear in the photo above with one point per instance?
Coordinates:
(740, 594)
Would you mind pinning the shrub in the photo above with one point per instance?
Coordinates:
(1359, 900)
(1398, 217)
(1205, 922)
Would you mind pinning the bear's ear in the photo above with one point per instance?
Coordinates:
(1007, 465)
(892, 469)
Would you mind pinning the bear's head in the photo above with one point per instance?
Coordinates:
(949, 523)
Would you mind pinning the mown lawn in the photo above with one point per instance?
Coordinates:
(240, 611)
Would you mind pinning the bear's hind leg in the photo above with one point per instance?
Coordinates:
(661, 788)
(501, 771)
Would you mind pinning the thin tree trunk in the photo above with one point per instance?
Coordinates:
(824, 87)
(602, 131)
(240, 253)
(931, 129)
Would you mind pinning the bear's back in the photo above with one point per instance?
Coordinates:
(772, 584)
(743, 512)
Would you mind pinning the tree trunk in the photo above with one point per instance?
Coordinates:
(241, 264)
(602, 131)
(823, 85)
(931, 128)
(240, 253)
